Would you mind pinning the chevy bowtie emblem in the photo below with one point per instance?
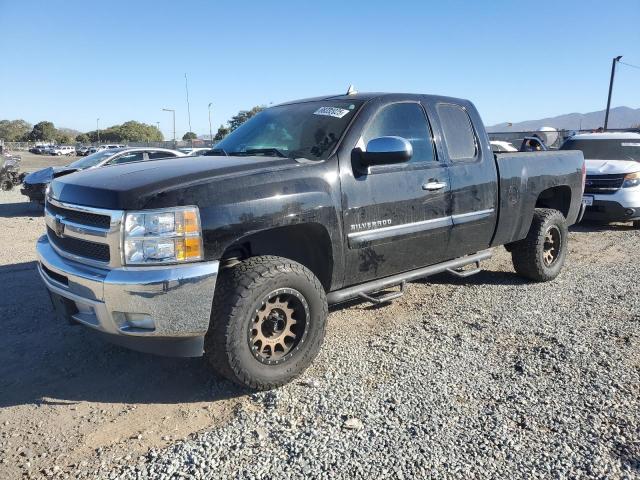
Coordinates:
(59, 226)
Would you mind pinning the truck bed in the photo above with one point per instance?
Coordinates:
(523, 188)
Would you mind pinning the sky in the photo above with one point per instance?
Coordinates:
(72, 62)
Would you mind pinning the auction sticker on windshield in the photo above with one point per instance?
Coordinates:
(331, 112)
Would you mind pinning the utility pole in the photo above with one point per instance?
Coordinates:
(98, 129)
(613, 74)
(186, 87)
(174, 123)
(210, 130)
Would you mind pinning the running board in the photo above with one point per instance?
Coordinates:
(355, 291)
(465, 273)
(383, 298)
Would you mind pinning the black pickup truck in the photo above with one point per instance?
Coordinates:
(238, 254)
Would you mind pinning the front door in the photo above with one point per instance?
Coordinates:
(396, 216)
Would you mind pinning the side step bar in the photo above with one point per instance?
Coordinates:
(383, 298)
(450, 266)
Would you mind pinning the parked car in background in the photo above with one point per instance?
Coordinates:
(82, 151)
(62, 150)
(499, 146)
(41, 149)
(193, 151)
(99, 148)
(35, 184)
(612, 188)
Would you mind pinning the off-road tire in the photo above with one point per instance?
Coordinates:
(239, 293)
(528, 254)
(636, 224)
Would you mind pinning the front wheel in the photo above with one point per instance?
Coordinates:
(267, 323)
(541, 255)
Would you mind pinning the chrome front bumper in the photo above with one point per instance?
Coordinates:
(157, 309)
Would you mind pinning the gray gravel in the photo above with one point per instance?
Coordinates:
(483, 377)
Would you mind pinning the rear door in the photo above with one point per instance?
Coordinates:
(395, 216)
(473, 176)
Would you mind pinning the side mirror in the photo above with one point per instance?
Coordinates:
(384, 150)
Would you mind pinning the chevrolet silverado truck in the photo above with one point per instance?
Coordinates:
(236, 255)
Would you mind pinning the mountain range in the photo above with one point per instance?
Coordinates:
(619, 117)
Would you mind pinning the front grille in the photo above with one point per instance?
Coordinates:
(83, 218)
(82, 248)
(603, 184)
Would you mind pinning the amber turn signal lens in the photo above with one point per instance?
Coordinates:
(190, 221)
(188, 248)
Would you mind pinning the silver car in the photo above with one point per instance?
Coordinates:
(35, 183)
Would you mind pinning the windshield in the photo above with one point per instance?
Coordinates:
(606, 149)
(309, 130)
(93, 159)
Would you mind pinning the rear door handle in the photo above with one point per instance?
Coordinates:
(431, 186)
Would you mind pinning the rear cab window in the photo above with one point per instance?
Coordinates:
(459, 136)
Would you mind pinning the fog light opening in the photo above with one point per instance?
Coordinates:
(139, 322)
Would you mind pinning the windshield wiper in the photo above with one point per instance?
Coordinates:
(265, 151)
(216, 151)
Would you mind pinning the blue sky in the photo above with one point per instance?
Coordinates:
(71, 62)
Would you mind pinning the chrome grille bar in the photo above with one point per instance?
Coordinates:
(65, 220)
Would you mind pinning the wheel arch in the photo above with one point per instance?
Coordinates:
(557, 198)
(306, 243)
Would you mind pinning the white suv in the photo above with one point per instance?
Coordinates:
(612, 188)
(62, 150)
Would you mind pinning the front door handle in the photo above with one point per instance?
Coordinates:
(431, 186)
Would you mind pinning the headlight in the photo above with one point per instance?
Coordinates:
(162, 236)
(631, 180)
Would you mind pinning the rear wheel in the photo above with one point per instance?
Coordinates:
(267, 323)
(541, 255)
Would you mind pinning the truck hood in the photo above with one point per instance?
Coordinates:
(606, 167)
(132, 185)
(47, 174)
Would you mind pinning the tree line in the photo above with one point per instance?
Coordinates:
(131, 131)
(45, 131)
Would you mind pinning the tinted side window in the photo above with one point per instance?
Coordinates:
(406, 120)
(153, 155)
(458, 132)
(127, 157)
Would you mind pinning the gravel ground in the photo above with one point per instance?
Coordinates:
(484, 377)
(488, 376)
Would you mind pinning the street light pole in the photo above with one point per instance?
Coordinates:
(210, 130)
(613, 74)
(98, 129)
(174, 122)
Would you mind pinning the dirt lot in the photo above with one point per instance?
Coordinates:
(32, 162)
(71, 403)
